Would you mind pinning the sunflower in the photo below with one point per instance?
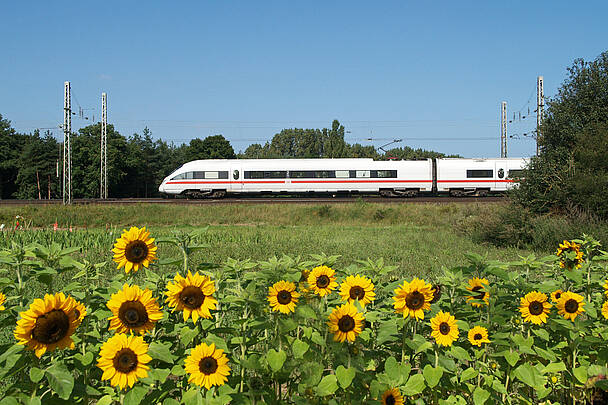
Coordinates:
(478, 335)
(570, 305)
(570, 255)
(412, 299)
(303, 283)
(134, 249)
(283, 296)
(436, 292)
(134, 310)
(123, 360)
(207, 366)
(555, 295)
(478, 287)
(48, 324)
(193, 295)
(357, 288)
(2, 300)
(534, 307)
(606, 288)
(322, 280)
(445, 330)
(392, 397)
(605, 309)
(345, 322)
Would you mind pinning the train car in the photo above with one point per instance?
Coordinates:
(479, 177)
(216, 178)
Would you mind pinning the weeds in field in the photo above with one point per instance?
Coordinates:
(288, 330)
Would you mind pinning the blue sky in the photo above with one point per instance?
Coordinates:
(432, 75)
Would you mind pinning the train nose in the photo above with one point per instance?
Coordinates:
(161, 188)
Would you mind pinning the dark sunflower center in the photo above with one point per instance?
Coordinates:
(436, 294)
(558, 295)
(133, 314)
(284, 297)
(192, 297)
(444, 328)
(571, 306)
(136, 251)
(322, 281)
(414, 300)
(77, 313)
(536, 308)
(346, 323)
(51, 327)
(477, 336)
(390, 400)
(481, 294)
(125, 360)
(357, 293)
(207, 365)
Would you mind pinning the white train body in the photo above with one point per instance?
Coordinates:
(394, 177)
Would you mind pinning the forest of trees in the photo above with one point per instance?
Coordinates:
(31, 164)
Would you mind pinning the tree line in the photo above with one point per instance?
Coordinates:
(31, 165)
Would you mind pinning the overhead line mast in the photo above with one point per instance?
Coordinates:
(540, 104)
(103, 184)
(67, 150)
(503, 129)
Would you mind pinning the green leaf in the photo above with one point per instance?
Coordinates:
(554, 368)
(276, 359)
(9, 401)
(306, 312)
(105, 400)
(60, 379)
(541, 333)
(36, 374)
(480, 396)
(34, 401)
(193, 397)
(468, 374)
(581, 374)
(527, 374)
(345, 376)
(299, 348)
(432, 375)
(459, 353)
(511, 357)
(161, 352)
(414, 386)
(327, 386)
(170, 401)
(387, 331)
(135, 395)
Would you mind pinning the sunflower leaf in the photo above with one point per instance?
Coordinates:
(468, 374)
(345, 376)
(60, 379)
(135, 395)
(276, 359)
(160, 352)
(529, 375)
(299, 348)
(432, 375)
(327, 386)
(414, 386)
(480, 396)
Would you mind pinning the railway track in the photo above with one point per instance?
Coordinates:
(263, 200)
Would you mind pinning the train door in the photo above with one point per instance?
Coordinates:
(235, 178)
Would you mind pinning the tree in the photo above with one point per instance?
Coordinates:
(334, 146)
(36, 166)
(570, 171)
(11, 144)
(212, 147)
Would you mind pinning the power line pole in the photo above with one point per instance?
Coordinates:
(104, 147)
(67, 150)
(503, 129)
(540, 103)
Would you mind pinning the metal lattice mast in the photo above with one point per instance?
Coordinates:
(540, 104)
(503, 129)
(104, 147)
(67, 150)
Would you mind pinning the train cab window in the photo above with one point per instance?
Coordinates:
(189, 175)
(478, 174)
(362, 173)
(235, 174)
(501, 173)
(515, 174)
(212, 175)
(342, 174)
(178, 177)
(199, 175)
(383, 174)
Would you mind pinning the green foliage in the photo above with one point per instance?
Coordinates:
(571, 171)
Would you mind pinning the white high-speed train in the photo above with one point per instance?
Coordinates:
(216, 178)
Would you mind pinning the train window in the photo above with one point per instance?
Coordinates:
(362, 173)
(341, 174)
(189, 175)
(199, 175)
(515, 174)
(178, 177)
(254, 175)
(325, 174)
(235, 174)
(383, 174)
(212, 175)
(223, 174)
(477, 174)
(301, 174)
(275, 174)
